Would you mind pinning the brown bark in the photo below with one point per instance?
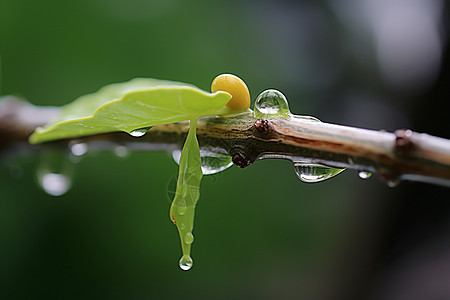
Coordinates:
(403, 155)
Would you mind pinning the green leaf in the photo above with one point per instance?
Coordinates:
(142, 103)
(128, 106)
(187, 193)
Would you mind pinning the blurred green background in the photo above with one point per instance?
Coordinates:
(260, 232)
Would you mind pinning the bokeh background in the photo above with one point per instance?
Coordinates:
(260, 232)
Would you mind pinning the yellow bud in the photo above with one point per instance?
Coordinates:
(240, 96)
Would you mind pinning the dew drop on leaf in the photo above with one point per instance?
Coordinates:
(186, 263)
(139, 132)
(271, 103)
(310, 173)
(189, 238)
(364, 174)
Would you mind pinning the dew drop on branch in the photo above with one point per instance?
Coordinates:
(270, 104)
(310, 173)
(364, 174)
(212, 163)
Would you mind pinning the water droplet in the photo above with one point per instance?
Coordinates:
(182, 226)
(186, 263)
(121, 151)
(270, 104)
(55, 184)
(54, 173)
(364, 174)
(189, 238)
(212, 162)
(393, 182)
(79, 149)
(176, 155)
(181, 210)
(139, 132)
(308, 172)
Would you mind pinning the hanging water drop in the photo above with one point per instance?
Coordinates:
(309, 172)
(139, 132)
(79, 149)
(55, 184)
(186, 263)
(54, 172)
(189, 238)
(271, 104)
(176, 155)
(364, 174)
(212, 162)
(121, 151)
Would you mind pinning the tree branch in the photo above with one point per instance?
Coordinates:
(403, 155)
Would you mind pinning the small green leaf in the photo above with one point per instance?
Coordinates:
(132, 105)
(187, 194)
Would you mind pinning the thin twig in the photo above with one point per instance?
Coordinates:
(403, 155)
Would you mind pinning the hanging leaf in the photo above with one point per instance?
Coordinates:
(187, 194)
(128, 106)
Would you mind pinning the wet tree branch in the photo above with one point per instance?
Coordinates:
(402, 155)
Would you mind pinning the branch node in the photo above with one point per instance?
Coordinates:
(240, 158)
(261, 125)
(403, 142)
(262, 128)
